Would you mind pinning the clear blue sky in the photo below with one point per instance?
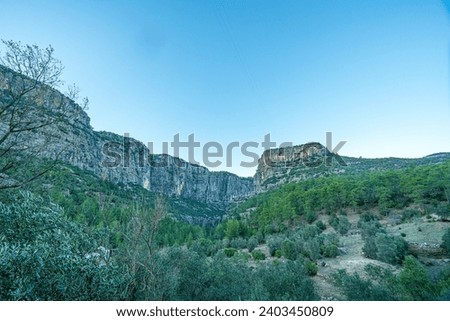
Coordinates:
(375, 73)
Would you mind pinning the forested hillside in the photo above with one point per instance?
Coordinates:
(73, 236)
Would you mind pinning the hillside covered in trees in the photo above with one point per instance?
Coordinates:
(98, 241)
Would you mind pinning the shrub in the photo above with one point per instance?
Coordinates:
(321, 225)
(274, 243)
(288, 250)
(370, 248)
(343, 226)
(390, 249)
(312, 249)
(310, 267)
(286, 281)
(365, 218)
(443, 210)
(229, 252)
(238, 243)
(311, 217)
(408, 214)
(203, 247)
(415, 282)
(227, 279)
(333, 221)
(330, 250)
(370, 228)
(252, 243)
(340, 224)
(357, 288)
(309, 232)
(258, 255)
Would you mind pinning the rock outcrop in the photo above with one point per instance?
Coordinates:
(283, 165)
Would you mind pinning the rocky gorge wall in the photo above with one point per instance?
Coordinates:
(77, 143)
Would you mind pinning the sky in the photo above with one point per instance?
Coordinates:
(374, 73)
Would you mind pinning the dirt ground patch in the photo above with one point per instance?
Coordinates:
(352, 260)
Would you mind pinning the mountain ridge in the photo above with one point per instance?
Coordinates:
(80, 145)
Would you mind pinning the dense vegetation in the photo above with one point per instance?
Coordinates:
(275, 211)
(89, 239)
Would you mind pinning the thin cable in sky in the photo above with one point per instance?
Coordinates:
(228, 30)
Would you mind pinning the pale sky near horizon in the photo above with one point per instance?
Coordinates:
(375, 73)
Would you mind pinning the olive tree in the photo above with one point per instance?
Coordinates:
(44, 256)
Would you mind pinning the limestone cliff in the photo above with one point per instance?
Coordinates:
(77, 143)
(282, 165)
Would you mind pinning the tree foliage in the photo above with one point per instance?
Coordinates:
(31, 117)
(43, 256)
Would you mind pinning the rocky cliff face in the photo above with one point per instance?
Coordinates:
(312, 160)
(282, 165)
(106, 154)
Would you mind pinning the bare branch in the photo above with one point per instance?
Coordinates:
(32, 113)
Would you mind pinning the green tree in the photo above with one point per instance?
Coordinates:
(232, 229)
(390, 249)
(415, 282)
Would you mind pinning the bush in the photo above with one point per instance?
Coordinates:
(312, 248)
(321, 225)
(385, 248)
(288, 250)
(274, 243)
(357, 288)
(252, 243)
(204, 247)
(443, 210)
(286, 281)
(311, 217)
(408, 214)
(370, 248)
(185, 269)
(258, 255)
(340, 224)
(371, 228)
(229, 252)
(333, 221)
(238, 243)
(310, 267)
(331, 251)
(309, 232)
(390, 249)
(366, 217)
(344, 225)
(415, 282)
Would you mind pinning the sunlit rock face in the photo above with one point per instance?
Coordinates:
(282, 165)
